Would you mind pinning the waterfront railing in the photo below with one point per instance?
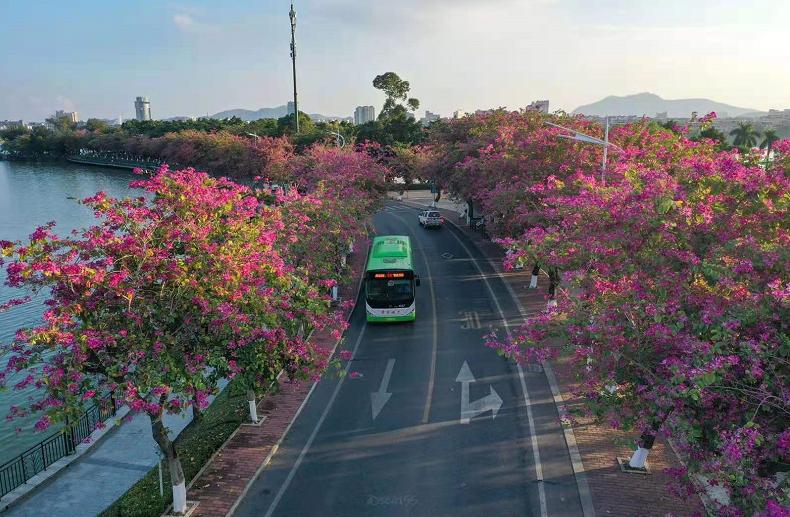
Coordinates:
(19, 470)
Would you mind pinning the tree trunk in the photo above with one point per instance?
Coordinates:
(639, 457)
(197, 413)
(174, 464)
(554, 281)
(253, 406)
(533, 282)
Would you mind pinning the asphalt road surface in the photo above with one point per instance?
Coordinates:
(427, 451)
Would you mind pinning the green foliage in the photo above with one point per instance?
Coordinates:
(95, 125)
(397, 92)
(62, 123)
(285, 125)
(195, 445)
(745, 136)
(717, 136)
(399, 129)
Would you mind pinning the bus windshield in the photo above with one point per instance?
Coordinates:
(390, 290)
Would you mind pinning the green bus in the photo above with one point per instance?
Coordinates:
(390, 280)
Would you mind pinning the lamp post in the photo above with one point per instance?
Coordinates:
(340, 140)
(292, 15)
(582, 137)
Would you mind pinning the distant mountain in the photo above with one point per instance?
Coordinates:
(649, 104)
(278, 112)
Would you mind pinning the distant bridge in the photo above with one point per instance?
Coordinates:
(110, 159)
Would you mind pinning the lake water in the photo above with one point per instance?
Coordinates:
(31, 194)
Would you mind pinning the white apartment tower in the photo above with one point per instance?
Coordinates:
(364, 114)
(142, 108)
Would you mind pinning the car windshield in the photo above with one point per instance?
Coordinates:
(390, 290)
(433, 214)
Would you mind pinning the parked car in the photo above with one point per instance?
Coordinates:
(430, 219)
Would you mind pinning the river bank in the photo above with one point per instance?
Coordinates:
(33, 193)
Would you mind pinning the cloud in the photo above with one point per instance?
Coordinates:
(184, 22)
(187, 22)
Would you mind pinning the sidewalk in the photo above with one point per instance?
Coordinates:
(94, 481)
(613, 492)
(227, 475)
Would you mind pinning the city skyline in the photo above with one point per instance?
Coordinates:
(200, 60)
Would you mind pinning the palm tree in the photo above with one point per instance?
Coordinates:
(745, 135)
(769, 137)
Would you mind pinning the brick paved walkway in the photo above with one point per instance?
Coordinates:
(250, 448)
(614, 493)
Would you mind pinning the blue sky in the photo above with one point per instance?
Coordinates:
(198, 57)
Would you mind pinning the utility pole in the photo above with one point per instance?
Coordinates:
(581, 137)
(292, 15)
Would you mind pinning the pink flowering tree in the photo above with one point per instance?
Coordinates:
(158, 301)
(678, 267)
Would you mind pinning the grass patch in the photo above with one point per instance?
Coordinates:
(195, 445)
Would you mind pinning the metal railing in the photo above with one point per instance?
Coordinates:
(113, 159)
(41, 456)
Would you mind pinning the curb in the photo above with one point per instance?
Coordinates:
(267, 460)
(583, 487)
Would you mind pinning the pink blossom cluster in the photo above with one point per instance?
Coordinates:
(202, 279)
(676, 310)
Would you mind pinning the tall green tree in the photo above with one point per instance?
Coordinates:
(745, 135)
(397, 92)
(396, 124)
(769, 137)
(61, 123)
(714, 134)
(96, 125)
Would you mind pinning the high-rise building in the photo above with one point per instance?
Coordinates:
(72, 116)
(428, 118)
(142, 108)
(459, 114)
(290, 108)
(364, 114)
(542, 106)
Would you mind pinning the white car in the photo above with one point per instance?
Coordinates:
(430, 219)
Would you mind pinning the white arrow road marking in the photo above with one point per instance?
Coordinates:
(491, 402)
(380, 397)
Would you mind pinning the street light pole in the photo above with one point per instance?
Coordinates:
(582, 137)
(339, 139)
(292, 15)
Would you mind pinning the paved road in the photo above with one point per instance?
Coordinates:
(417, 457)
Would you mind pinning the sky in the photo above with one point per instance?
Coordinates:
(201, 57)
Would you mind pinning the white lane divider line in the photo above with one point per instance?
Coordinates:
(318, 425)
(432, 379)
(530, 419)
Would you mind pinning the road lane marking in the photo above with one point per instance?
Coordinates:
(471, 320)
(491, 402)
(432, 379)
(527, 402)
(318, 425)
(583, 487)
(380, 397)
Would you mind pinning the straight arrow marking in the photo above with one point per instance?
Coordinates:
(379, 398)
